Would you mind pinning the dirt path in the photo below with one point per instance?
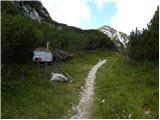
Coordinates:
(86, 101)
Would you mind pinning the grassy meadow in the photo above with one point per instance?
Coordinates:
(121, 90)
(126, 91)
(35, 96)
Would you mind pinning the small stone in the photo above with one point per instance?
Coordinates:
(103, 100)
(129, 116)
(147, 112)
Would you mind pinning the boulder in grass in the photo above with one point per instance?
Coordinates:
(58, 77)
(60, 55)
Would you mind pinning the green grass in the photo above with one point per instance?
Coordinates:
(124, 90)
(38, 97)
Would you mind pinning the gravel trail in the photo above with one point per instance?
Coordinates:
(86, 100)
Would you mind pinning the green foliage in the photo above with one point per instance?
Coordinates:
(8, 8)
(18, 38)
(95, 39)
(144, 45)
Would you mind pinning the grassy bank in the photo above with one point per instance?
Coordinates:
(126, 91)
(36, 97)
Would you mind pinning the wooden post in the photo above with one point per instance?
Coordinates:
(38, 69)
(47, 46)
(47, 50)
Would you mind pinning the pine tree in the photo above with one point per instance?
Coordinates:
(145, 45)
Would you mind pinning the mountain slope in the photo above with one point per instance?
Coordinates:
(27, 25)
(120, 38)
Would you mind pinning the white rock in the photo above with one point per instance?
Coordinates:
(58, 77)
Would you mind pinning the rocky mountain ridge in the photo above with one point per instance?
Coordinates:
(120, 38)
(35, 10)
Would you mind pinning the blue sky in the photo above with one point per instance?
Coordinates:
(101, 16)
(122, 15)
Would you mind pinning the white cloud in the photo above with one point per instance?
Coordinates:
(100, 4)
(132, 14)
(71, 12)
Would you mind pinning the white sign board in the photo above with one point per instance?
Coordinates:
(42, 56)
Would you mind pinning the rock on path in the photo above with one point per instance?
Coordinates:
(86, 101)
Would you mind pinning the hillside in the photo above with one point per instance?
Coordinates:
(40, 28)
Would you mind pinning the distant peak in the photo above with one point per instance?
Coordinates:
(107, 27)
(120, 38)
(110, 32)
